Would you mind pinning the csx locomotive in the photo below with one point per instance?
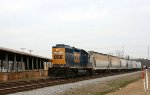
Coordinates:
(71, 61)
(68, 60)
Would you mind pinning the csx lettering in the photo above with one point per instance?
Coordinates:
(58, 57)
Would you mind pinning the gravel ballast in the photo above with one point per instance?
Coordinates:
(54, 90)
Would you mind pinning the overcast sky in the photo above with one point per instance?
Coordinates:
(104, 26)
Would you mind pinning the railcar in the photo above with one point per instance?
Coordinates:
(139, 65)
(134, 65)
(130, 65)
(123, 64)
(114, 64)
(98, 62)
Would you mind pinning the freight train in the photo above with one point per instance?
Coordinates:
(70, 61)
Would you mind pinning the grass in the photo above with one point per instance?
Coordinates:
(114, 86)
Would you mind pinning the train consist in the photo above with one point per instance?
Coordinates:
(71, 61)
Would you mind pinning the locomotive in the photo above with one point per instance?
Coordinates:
(70, 61)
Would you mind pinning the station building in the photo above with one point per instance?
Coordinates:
(16, 65)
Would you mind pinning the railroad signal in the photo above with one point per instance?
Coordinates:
(145, 78)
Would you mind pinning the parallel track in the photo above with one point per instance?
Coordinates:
(13, 87)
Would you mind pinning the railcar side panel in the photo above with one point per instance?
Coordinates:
(114, 63)
(99, 61)
(134, 64)
(139, 65)
(123, 64)
(130, 65)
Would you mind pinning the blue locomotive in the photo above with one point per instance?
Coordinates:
(68, 61)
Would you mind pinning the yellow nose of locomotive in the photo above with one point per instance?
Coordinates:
(58, 56)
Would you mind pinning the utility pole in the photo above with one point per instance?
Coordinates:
(148, 52)
(122, 52)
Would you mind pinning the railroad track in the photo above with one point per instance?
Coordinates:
(12, 87)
